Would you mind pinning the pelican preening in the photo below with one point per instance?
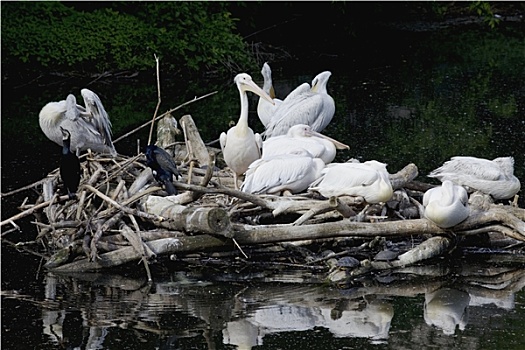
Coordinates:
(494, 177)
(446, 205)
(304, 105)
(240, 145)
(69, 165)
(292, 172)
(302, 135)
(89, 126)
(265, 109)
(368, 180)
(163, 167)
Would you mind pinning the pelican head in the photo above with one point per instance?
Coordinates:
(245, 83)
(303, 130)
(266, 72)
(72, 112)
(320, 81)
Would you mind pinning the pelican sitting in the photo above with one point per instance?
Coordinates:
(494, 177)
(293, 172)
(368, 180)
(265, 109)
(446, 205)
(304, 105)
(240, 146)
(89, 126)
(302, 135)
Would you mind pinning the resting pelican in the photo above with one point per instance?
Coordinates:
(311, 106)
(494, 177)
(265, 109)
(294, 172)
(240, 146)
(446, 205)
(369, 180)
(302, 135)
(89, 126)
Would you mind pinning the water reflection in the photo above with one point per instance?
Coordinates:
(96, 311)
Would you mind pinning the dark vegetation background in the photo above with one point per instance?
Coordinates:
(51, 49)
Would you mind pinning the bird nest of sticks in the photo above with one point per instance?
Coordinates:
(121, 215)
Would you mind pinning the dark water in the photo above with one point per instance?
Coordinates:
(403, 97)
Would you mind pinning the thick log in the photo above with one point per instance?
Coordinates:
(159, 247)
(196, 147)
(188, 219)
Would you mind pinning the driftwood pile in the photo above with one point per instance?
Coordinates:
(121, 215)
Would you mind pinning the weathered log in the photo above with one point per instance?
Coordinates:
(196, 147)
(159, 247)
(189, 219)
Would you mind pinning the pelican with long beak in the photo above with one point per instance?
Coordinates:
(312, 106)
(302, 135)
(240, 145)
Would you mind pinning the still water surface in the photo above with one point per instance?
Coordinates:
(423, 99)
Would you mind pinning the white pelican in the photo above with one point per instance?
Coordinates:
(368, 180)
(494, 177)
(89, 126)
(265, 109)
(311, 106)
(240, 146)
(302, 135)
(293, 171)
(446, 205)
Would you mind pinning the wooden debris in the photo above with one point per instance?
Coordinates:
(121, 215)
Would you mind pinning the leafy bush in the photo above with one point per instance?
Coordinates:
(65, 37)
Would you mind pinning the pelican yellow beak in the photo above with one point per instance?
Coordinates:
(338, 145)
(251, 86)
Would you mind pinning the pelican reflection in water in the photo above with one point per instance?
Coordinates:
(88, 126)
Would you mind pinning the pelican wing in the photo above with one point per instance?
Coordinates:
(316, 110)
(100, 118)
(280, 171)
(345, 178)
(468, 166)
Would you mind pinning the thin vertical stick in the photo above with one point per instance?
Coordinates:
(158, 102)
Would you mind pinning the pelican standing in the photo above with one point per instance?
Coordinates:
(265, 110)
(89, 126)
(240, 146)
(368, 180)
(446, 205)
(494, 177)
(302, 135)
(292, 172)
(311, 106)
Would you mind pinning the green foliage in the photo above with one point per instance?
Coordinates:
(54, 36)
(483, 8)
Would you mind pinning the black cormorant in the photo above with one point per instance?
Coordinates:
(163, 167)
(69, 165)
